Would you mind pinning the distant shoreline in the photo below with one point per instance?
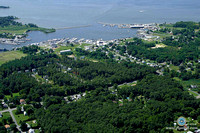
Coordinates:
(4, 7)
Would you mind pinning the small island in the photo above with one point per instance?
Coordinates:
(11, 30)
(4, 7)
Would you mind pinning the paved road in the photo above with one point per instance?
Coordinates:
(7, 110)
(196, 93)
(13, 117)
(10, 110)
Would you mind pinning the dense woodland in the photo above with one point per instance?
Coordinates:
(10, 20)
(157, 102)
(153, 98)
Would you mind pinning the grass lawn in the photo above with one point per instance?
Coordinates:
(20, 117)
(176, 68)
(5, 115)
(33, 125)
(129, 40)
(9, 96)
(66, 48)
(37, 131)
(187, 83)
(10, 55)
(162, 35)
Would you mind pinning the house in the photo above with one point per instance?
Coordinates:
(114, 101)
(34, 70)
(28, 126)
(25, 114)
(7, 127)
(69, 69)
(31, 131)
(1, 115)
(22, 101)
(5, 106)
(197, 131)
(194, 86)
(65, 51)
(54, 46)
(22, 108)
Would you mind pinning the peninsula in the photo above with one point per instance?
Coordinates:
(11, 29)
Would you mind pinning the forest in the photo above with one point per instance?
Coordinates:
(156, 101)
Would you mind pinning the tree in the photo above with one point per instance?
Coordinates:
(198, 118)
(9, 120)
(23, 126)
(13, 127)
(18, 111)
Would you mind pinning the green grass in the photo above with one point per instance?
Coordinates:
(170, 26)
(66, 48)
(190, 82)
(37, 131)
(33, 125)
(18, 30)
(9, 96)
(84, 44)
(10, 55)
(186, 84)
(129, 40)
(176, 68)
(5, 115)
(162, 35)
(20, 117)
(177, 79)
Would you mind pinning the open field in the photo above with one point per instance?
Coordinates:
(176, 68)
(10, 55)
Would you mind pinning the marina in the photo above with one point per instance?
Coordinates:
(93, 32)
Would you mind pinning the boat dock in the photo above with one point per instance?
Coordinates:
(128, 26)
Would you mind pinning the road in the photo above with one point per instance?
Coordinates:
(13, 117)
(198, 97)
(7, 110)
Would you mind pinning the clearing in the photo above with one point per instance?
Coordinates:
(10, 55)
